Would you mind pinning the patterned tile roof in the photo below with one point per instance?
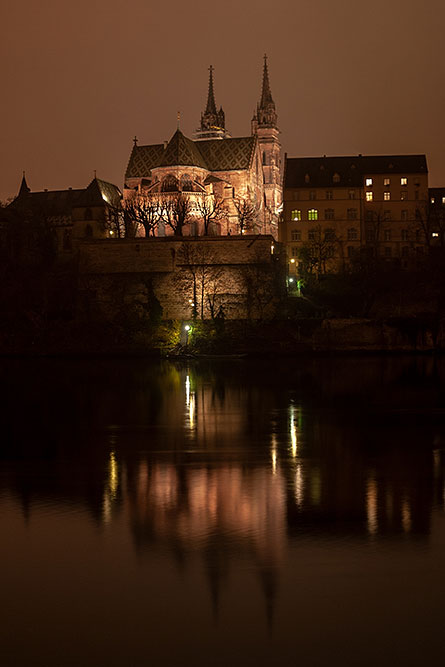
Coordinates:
(143, 159)
(228, 154)
(212, 154)
(182, 151)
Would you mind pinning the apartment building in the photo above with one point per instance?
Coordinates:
(336, 207)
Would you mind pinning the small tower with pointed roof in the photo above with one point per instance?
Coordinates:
(264, 126)
(213, 122)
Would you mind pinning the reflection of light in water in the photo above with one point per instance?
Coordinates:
(293, 430)
(192, 410)
(371, 506)
(299, 485)
(187, 390)
(273, 442)
(406, 516)
(110, 493)
(113, 481)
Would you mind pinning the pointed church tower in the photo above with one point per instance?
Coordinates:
(24, 189)
(213, 122)
(264, 125)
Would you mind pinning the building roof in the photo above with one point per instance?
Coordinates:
(348, 170)
(183, 152)
(59, 203)
(212, 155)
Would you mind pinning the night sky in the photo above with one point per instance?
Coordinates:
(80, 79)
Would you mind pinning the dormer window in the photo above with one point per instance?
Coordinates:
(307, 178)
(336, 178)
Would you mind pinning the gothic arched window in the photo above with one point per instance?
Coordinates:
(170, 184)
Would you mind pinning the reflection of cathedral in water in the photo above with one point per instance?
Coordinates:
(228, 472)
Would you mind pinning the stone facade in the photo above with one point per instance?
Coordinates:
(215, 166)
(244, 275)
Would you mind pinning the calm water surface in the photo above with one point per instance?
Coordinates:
(236, 513)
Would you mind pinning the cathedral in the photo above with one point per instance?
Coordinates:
(241, 173)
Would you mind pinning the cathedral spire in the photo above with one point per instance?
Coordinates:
(265, 115)
(211, 106)
(266, 95)
(213, 123)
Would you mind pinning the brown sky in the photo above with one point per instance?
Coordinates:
(80, 79)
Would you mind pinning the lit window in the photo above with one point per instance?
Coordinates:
(312, 214)
(387, 234)
(296, 215)
(443, 200)
(403, 195)
(312, 195)
(329, 194)
(368, 182)
(405, 235)
(404, 215)
(403, 181)
(386, 181)
(352, 234)
(386, 196)
(432, 200)
(352, 214)
(296, 235)
(435, 235)
(369, 196)
(329, 214)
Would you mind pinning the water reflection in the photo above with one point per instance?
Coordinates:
(217, 463)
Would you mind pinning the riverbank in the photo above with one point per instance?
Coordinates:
(235, 338)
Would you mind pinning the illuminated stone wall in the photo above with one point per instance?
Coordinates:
(244, 274)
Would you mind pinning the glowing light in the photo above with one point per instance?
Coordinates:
(192, 410)
(371, 507)
(299, 486)
(187, 327)
(292, 261)
(435, 234)
(113, 476)
(274, 461)
(293, 431)
(111, 232)
(187, 390)
(291, 280)
(272, 248)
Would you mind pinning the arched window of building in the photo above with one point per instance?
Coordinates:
(170, 184)
(186, 183)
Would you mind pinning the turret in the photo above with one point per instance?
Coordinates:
(213, 122)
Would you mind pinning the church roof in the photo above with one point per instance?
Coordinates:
(212, 154)
(228, 154)
(181, 151)
(143, 159)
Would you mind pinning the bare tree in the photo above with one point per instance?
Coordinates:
(203, 273)
(142, 212)
(211, 209)
(316, 253)
(176, 212)
(430, 222)
(247, 212)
